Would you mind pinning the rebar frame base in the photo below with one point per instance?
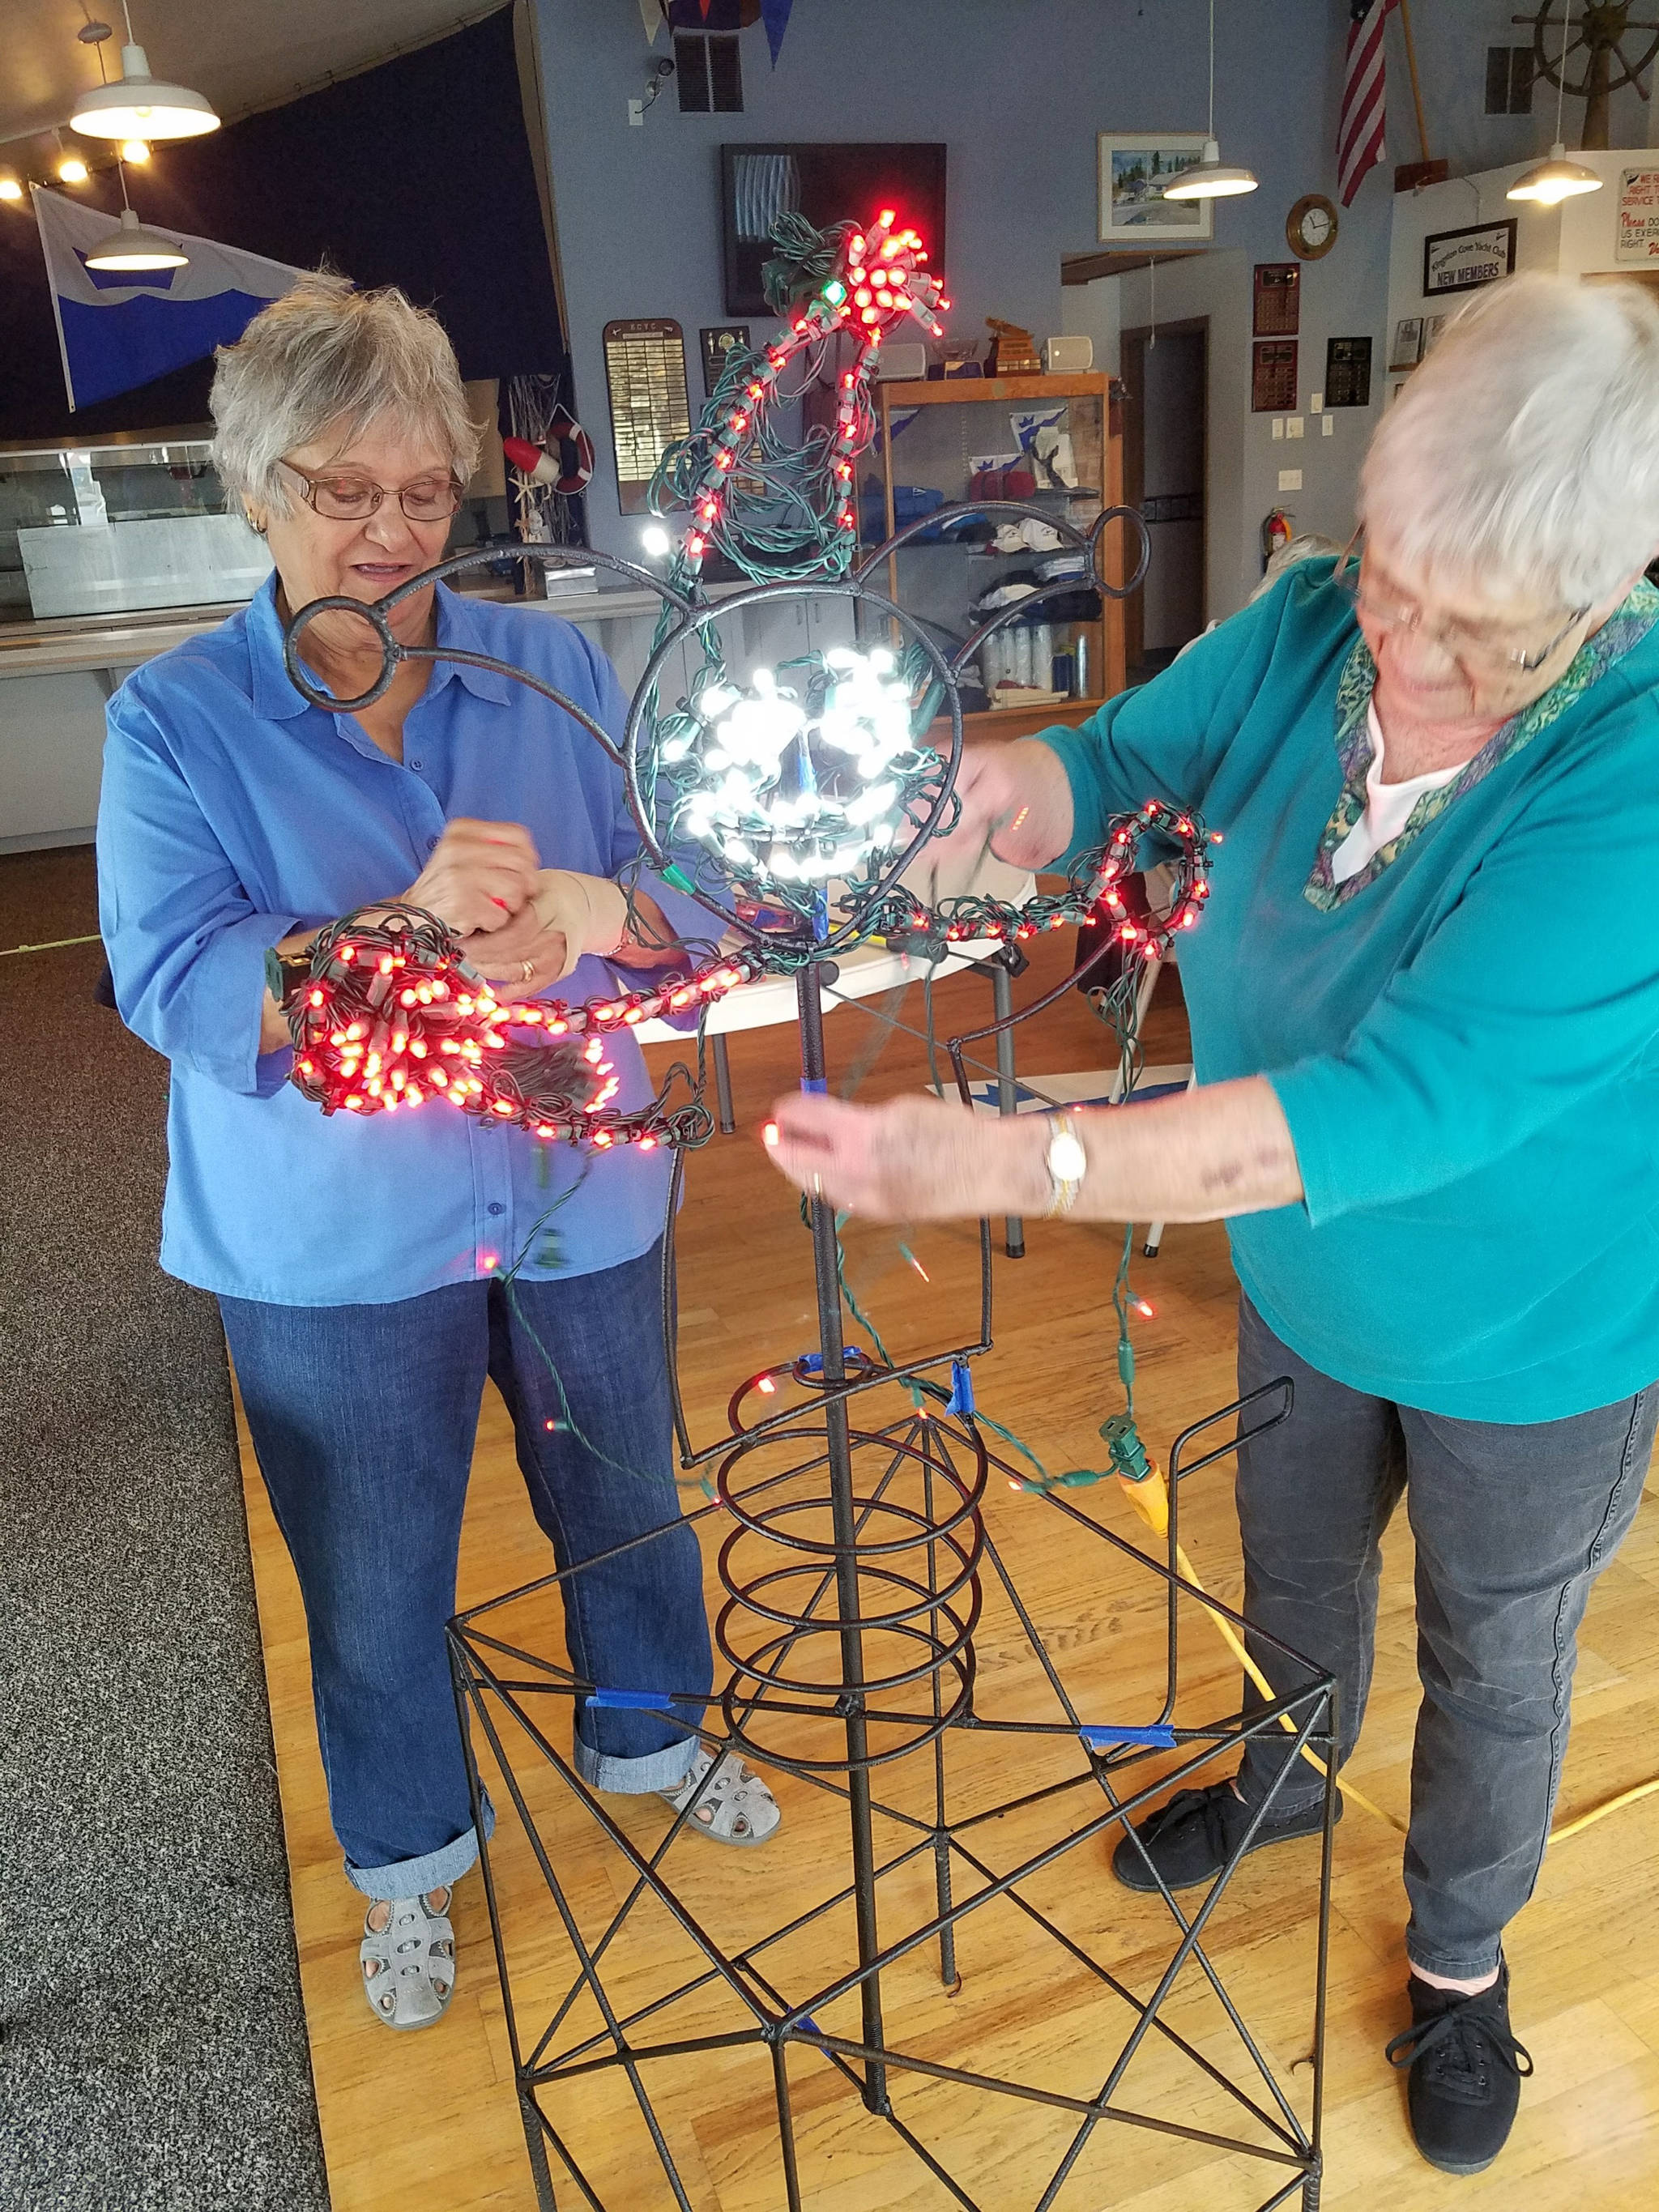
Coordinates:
(659, 2003)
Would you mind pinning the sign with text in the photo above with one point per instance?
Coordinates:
(1638, 234)
(1459, 261)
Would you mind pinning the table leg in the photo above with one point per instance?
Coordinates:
(1002, 999)
(723, 1087)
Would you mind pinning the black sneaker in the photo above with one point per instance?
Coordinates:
(1465, 2068)
(1192, 1837)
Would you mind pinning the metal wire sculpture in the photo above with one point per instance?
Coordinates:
(848, 1489)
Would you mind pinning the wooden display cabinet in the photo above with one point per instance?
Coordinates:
(942, 430)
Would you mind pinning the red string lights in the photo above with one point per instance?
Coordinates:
(879, 281)
(392, 1020)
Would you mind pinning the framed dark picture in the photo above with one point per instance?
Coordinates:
(1272, 377)
(827, 184)
(1459, 261)
(1348, 372)
(715, 346)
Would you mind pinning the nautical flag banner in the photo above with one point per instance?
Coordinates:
(775, 14)
(1359, 144)
(119, 328)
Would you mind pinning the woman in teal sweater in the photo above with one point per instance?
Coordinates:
(1425, 1004)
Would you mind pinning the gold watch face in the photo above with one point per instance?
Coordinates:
(1311, 226)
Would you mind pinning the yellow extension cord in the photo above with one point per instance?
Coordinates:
(1150, 1499)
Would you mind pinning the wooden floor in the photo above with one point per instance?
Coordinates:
(428, 2122)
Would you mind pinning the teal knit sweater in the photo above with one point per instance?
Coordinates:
(1464, 1038)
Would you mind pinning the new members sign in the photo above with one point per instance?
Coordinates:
(120, 328)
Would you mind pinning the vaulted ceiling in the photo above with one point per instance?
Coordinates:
(243, 54)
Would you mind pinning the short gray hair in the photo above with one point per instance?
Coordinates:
(328, 357)
(1525, 450)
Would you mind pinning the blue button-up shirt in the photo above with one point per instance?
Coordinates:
(232, 814)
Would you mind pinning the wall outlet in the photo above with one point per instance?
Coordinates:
(1278, 426)
(1328, 426)
(1289, 479)
(1293, 426)
(636, 114)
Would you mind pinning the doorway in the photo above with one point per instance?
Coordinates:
(1165, 375)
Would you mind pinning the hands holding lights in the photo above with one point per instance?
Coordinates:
(1014, 798)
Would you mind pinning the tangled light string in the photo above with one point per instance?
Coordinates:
(394, 1018)
(774, 505)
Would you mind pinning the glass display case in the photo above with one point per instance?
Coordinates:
(1051, 442)
(119, 524)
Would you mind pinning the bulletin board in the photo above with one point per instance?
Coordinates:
(645, 369)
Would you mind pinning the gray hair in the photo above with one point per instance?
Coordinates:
(326, 357)
(1525, 450)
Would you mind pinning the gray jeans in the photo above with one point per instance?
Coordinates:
(1512, 1526)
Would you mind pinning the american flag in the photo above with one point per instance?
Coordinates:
(1359, 134)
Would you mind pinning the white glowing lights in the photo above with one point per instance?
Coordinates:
(802, 785)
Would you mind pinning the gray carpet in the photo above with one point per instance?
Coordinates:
(152, 2046)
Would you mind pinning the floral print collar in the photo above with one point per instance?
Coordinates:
(1353, 742)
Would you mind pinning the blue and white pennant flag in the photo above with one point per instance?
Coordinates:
(120, 328)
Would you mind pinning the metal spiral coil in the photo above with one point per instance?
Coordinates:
(912, 1568)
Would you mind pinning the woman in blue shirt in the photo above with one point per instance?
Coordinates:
(357, 1264)
(1425, 1003)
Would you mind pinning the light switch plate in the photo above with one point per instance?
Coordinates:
(1293, 426)
(1278, 426)
(1289, 479)
(1316, 402)
(1328, 426)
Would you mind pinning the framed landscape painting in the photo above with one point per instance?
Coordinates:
(1135, 166)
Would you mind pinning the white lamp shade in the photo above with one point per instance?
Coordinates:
(1550, 182)
(138, 106)
(131, 245)
(1211, 178)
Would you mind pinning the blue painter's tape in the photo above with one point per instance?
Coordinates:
(1159, 1737)
(818, 1083)
(632, 1701)
(807, 2021)
(962, 1387)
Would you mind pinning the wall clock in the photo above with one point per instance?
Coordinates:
(1311, 227)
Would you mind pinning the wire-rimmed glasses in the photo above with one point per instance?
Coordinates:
(1493, 653)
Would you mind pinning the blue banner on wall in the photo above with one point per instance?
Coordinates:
(117, 329)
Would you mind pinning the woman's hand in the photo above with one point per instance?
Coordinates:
(479, 876)
(1015, 798)
(523, 951)
(913, 1159)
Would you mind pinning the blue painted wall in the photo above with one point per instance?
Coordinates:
(1018, 89)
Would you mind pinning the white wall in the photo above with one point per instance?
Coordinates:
(1575, 238)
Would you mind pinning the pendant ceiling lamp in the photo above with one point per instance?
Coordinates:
(1551, 182)
(1211, 178)
(139, 106)
(133, 245)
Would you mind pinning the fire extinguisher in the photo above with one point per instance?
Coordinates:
(1277, 529)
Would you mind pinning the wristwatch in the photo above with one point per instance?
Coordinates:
(1067, 1163)
(284, 972)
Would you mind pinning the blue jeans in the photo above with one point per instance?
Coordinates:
(1512, 1523)
(363, 1419)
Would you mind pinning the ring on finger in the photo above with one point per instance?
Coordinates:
(528, 969)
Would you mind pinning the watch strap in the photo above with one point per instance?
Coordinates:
(1064, 1138)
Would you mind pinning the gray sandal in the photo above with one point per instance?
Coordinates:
(409, 1965)
(734, 1807)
